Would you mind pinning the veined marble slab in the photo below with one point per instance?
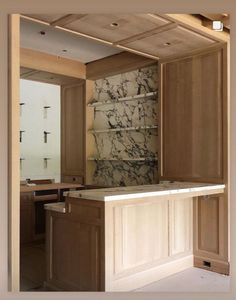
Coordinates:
(141, 191)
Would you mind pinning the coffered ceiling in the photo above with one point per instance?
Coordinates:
(151, 35)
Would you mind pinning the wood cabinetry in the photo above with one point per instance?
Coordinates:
(193, 112)
(73, 132)
(194, 144)
(211, 233)
(26, 218)
(75, 247)
(118, 245)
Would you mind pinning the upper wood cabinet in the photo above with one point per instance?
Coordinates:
(73, 132)
(193, 109)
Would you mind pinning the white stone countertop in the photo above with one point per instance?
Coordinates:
(57, 206)
(141, 191)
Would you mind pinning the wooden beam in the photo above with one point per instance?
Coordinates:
(224, 18)
(146, 34)
(195, 24)
(116, 64)
(67, 19)
(51, 63)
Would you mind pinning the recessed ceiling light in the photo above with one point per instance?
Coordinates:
(64, 50)
(167, 44)
(114, 24)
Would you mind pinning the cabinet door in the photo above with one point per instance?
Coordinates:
(26, 218)
(73, 130)
(210, 233)
(192, 118)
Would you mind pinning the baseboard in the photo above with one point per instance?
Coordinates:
(213, 265)
(140, 279)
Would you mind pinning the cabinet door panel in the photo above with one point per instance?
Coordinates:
(180, 226)
(210, 226)
(76, 267)
(192, 114)
(72, 129)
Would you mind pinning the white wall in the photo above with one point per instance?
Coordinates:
(36, 95)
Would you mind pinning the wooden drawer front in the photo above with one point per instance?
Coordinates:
(72, 179)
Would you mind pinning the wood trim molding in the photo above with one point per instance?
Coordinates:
(195, 24)
(148, 33)
(67, 19)
(51, 63)
(116, 64)
(14, 153)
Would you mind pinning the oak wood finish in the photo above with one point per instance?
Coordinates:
(192, 118)
(194, 110)
(51, 63)
(211, 233)
(47, 187)
(73, 130)
(119, 245)
(26, 218)
(67, 19)
(47, 77)
(79, 265)
(152, 35)
(13, 151)
(116, 64)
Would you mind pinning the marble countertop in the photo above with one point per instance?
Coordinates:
(57, 206)
(132, 192)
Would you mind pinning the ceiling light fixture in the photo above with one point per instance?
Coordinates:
(64, 50)
(217, 26)
(167, 44)
(114, 24)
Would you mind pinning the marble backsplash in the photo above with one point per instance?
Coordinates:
(126, 157)
(137, 82)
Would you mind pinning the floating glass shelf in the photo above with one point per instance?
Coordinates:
(129, 98)
(135, 128)
(123, 159)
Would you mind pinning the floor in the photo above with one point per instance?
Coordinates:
(190, 280)
(33, 272)
(32, 267)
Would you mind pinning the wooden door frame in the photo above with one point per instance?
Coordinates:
(41, 62)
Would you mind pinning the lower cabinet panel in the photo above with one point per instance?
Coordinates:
(74, 256)
(211, 233)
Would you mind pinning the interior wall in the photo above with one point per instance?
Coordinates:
(40, 112)
(126, 157)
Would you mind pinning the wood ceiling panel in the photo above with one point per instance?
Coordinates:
(99, 25)
(47, 77)
(46, 17)
(175, 41)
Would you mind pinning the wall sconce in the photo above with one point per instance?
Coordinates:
(45, 162)
(45, 111)
(21, 160)
(45, 133)
(21, 105)
(21, 135)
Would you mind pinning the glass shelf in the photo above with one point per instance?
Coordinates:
(123, 159)
(129, 98)
(135, 128)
